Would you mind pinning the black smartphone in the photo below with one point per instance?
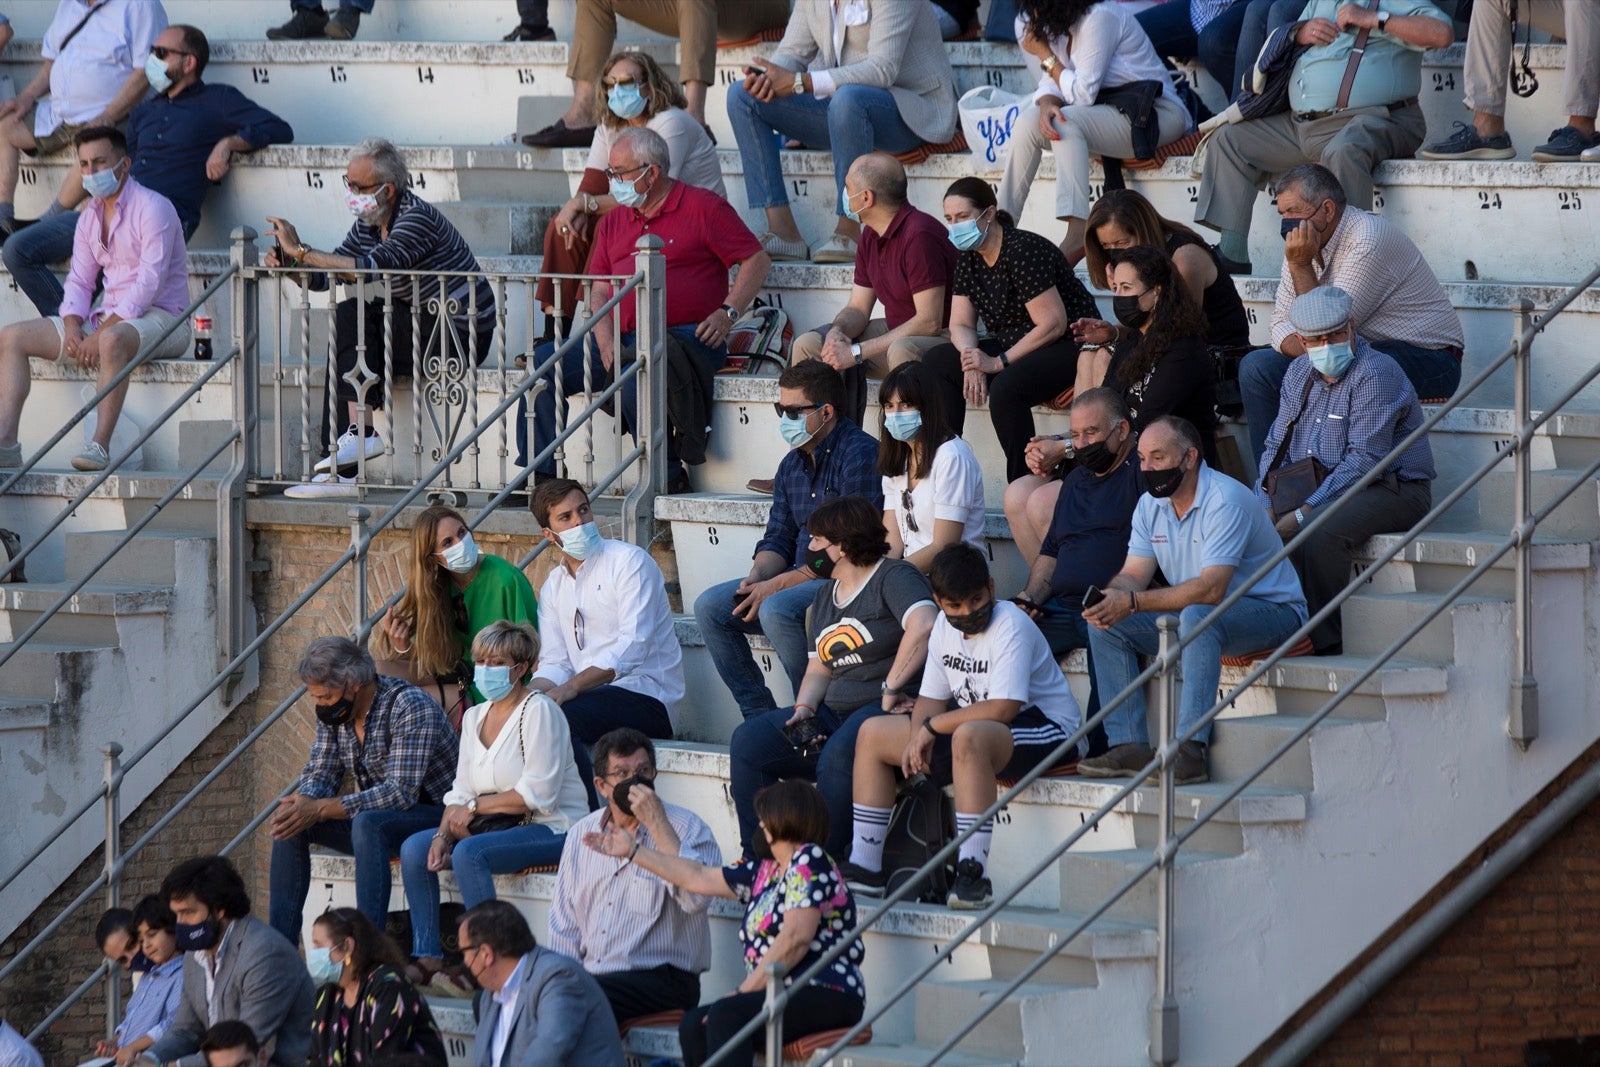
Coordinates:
(1092, 596)
(806, 736)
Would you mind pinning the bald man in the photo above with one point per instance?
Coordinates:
(905, 259)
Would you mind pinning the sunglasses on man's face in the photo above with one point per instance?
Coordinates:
(793, 412)
(162, 53)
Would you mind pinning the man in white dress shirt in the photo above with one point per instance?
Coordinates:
(644, 940)
(610, 657)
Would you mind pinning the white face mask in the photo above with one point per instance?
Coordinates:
(462, 556)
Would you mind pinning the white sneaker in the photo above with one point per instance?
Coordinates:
(11, 455)
(92, 458)
(351, 447)
(325, 486)
(1590, 155)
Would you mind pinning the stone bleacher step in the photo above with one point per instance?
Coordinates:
(1373, 620)
(91, 615)
(1435, 562)
(943, 1005)
(47, 670)
(23, 714)
(153, 556)
(1577, 518)
(876, 1055)
(1094, 876)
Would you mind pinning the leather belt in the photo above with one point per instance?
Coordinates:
(1310, 116)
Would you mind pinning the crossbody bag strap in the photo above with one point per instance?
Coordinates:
(1357, 50)
(87, 15)
(1288, 431)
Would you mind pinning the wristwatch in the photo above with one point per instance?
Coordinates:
(733, 316)
(1383, 21)
(887, 688)
(799, 81)
(1299, 517)
(590, 204)
(472, 806)
(927, 724)
(855, 350)
(1050, 64)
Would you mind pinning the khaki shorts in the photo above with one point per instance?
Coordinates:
(56, 140)
(149, 327)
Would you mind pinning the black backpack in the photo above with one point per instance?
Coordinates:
(923, 821)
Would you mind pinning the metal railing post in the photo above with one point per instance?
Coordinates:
(358, 543)
(1164, 1007)
(1522, 722)
(113, 870)
(232, 565)
(775, 976)
(638, 507)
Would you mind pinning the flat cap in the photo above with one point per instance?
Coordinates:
(1322, 310)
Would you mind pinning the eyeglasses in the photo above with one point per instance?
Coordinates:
(647, 772)
(613, 175)
(162, 53)
(354, 188)
(577, 629)
(905, 509)
(794, 412)
(612, 83)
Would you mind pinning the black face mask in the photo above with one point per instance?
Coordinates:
(619, 792)
(336, 714)
(1098, 457)
(140, 963)
(974, 622)
(198, 937)
(819, 563)
(1128, 311)
(1160, 484)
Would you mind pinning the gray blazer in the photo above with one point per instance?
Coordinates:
(262, 981)
(562, 1019)
(897, 48)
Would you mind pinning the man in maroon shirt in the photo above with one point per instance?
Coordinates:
(703, 238)
(906, 261)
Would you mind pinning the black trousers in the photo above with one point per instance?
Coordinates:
(636, 993)
(1035, 378)
(534, 14)
(708, 1027)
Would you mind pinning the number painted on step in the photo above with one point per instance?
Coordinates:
(458, 1047)
(417, 181)
(993, 77)
(1003, 817)
(1570, 201)
(744, 415)
(771, 300)
(1083, 817)
(1444, 81)
(260, 75)
(712, 536)
(425, 75)
(1377, 199)
(28, 176)
(730, 75)
(1194, 194)
(525, 76)
(766, 662)
(1504, 446)
(1096, 192)
(338, 74)
(314, 179)
(1250, 316)
(800, 185)
(1489, 201)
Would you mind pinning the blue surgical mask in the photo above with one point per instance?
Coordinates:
(626, 194)
(625, 101)
(844, 205)
(493, 682)
(462, 556)
(794, 430)
(903, 425)
(1331, 360)
(580, 542)
(102, 183)
(323, 967)
(966, 235)
(155, 71)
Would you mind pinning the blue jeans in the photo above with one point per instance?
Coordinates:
(30, 255)
(1260, 19)
(760, 755)
(855, 120)
(475, 860)
(544, 405)
(1065, 630)
(363, 6)
(1172, 33)
(782, 617)
(372, 837)
(1433, 372)
(1250, 625)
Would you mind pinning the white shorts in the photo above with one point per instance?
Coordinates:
(148, 326)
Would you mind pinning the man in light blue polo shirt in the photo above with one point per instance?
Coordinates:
(1209, 536)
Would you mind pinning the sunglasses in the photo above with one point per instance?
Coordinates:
(162, 53)
(794, 412)
(612, 83)
(905, 509)
(577, 629)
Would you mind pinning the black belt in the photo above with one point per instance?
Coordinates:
(1310, 116)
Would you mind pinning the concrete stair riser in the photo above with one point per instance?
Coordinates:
(1373, 621)
(1577, 518)
(93, 615)
(1436, 564)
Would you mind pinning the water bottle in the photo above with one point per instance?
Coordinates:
(202, 337)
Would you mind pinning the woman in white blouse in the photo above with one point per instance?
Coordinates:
(932, 484)
(1082, 48)
(516, 792)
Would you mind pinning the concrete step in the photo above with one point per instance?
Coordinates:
(876, 1055)
(944, 1006)
(500, 226)
(1091, 877)
(154, 556)
(1434, 563)
(1241, 745)
(1577, 518)
(24, 715)
(51, 671)
(1373, 620)
(91, 615)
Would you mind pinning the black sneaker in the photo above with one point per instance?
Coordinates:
(530, 33)
(1189, 767)
(1468, 143)
(971, 891)
(344, 24)
(308, 23)
(1566, 145)
(862, 882)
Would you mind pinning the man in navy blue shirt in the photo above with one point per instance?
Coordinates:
(181, 141)
(830, 457)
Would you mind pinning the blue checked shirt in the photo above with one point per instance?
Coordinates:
(154, 1003)
(408, 757)
(845, 463)
(1350, 424)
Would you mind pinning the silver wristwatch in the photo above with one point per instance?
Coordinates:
(799, 81)
(472, 806)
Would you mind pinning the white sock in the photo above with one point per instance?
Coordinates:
(975, 847)
(871, 828)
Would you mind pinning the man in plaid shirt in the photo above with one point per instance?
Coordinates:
(393, 740)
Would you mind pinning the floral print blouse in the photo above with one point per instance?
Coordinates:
(389, 1017)
(812, 881)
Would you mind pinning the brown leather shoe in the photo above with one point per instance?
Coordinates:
(559, 135)
(760, 485)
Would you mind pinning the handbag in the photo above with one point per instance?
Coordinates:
(488, 824)
(1288, 487)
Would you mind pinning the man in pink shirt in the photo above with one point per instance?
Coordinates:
(130, 240)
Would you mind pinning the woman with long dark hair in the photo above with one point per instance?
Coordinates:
(366, 1011)
(932, 483)
(1019, 284)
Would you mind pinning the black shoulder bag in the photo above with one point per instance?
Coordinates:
(1288, 487)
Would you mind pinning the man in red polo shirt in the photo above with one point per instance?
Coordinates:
(906, 261)
(703, 238)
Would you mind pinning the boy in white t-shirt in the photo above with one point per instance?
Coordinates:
(990, 684)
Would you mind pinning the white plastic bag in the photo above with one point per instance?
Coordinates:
(122, 434)
(987, 117)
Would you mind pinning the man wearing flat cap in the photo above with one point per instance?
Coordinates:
(1348, 405)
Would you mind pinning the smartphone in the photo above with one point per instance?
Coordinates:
(806, 736)
(1092, 596)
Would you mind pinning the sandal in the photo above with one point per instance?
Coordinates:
(421, 969)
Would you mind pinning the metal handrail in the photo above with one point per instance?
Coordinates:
(1162, 665)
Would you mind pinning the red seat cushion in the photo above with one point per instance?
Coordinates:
(766, 36)
(1183, 146)
(803, 1048)
(920, 154)
(1060, 770)
(1302, 649)
(660, 1018)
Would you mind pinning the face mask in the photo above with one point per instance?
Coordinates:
(844, 204)
(1128, 311)
(625, 101)
(1161, 484)
(363, 206)
(323, 967)
(102, 183)
(819, 563)
(903, 425)
(493, 682)
(580, 542)
(1097, 458)
(462, 556)
(626, 194)
(1290, 225)
(973, 622)
(794, 430)
(197, 937)
(1331, 360)
(140, 963)
(155, 71)
(965, 234)
(337, 713)
(619, 792)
